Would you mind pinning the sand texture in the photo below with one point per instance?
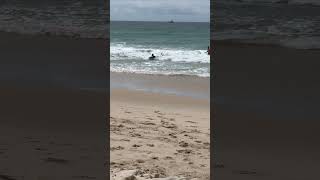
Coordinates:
(159, 139)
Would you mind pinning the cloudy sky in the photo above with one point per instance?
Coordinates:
(160, 10)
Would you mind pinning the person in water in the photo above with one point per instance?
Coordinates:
(209, 50)
(152, 56)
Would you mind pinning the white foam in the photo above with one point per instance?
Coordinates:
(201, 72)
(120, 51)
(135, 59)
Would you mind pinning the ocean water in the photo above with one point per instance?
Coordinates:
(180, 48)
(288, 23)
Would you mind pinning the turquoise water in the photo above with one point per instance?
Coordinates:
(180, 48)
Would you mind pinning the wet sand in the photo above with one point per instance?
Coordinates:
(158, 135)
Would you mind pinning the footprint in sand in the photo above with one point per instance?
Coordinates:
(185, 159)
(191, 122)
(140, 161)
(172, 135)
(127, 121)
(190, 137)
(150, 145)
(168, 158)
(136, 145)
(206, 143)
(168, 125)
(163, 139)
(195, 130)
(135, 135)
(158, 112)
(120, 125)
(185, 151)
(183, 144)
(148, 123)
(117, 148)
(193, 126)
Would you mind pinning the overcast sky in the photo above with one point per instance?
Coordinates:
(160, 10)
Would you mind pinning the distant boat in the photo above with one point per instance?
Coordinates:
(171, 21)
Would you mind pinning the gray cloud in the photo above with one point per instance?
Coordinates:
(160, 10)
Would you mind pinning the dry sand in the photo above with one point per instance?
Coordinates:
(159, 136)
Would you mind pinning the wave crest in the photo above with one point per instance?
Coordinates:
(121, 51)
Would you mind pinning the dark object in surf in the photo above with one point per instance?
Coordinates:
(152, 57)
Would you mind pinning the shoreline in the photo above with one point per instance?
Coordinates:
(179, 85)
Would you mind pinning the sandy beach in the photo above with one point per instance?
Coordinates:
(158, 135)
(266, 112)
(50, 130)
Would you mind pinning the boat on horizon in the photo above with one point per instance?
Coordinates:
(171, 21)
